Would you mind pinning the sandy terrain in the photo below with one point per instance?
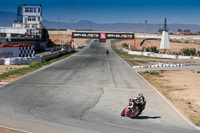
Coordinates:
(182, 88)
(175, 47)
(3, 130)
(6, 68)
(65, 38)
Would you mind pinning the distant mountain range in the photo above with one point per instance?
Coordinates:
(7, 18)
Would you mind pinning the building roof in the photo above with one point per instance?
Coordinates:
(32, 5)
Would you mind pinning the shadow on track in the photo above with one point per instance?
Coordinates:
(148, 117)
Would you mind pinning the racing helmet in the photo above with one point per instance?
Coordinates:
(140, 95)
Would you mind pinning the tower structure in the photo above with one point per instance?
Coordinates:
(29, 16)
(164, 44)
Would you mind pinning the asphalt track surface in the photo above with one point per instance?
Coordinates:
(86, 93)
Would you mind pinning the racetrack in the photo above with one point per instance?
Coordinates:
(85, 94)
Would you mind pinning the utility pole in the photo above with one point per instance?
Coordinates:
(58, 26)
(145, 28)
(154, 27)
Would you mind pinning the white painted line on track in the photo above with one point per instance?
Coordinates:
(188, 121)
(9, 128)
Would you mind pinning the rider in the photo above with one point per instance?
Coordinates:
(139, 99)
(135, 101)
(107, 52)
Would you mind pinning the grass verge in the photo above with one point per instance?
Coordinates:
(32, 67)
(136, 60)
(88, 42)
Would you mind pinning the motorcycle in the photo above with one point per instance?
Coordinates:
(134, 109)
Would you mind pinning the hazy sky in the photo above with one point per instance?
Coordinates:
(113, 11)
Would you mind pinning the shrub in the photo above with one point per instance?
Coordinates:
(188, 52)
(198, 53)
(176, 53)
(125, 45)
(151, 49)
(35, 64)
(192, 51)
(155, 73)
(146, 72)
(154, 49)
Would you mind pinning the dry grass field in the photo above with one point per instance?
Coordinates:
(65, 38)
(174, 47)
(182, 88)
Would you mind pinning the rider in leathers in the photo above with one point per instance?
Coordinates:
(135, 101)
(139, 99)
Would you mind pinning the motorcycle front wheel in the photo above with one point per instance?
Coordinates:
(135, 113)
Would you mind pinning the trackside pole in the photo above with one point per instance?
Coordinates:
(71, 41)
(134, 42)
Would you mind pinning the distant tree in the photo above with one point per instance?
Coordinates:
(188, 52)
(45, 34)
(197, 33)
(186, 30)
(179, 30)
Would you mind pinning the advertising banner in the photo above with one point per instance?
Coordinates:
(103, 35)
(9, 52)
(85, 35)
(119, 36)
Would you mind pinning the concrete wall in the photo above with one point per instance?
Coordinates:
(12, 30)
(20, 60)
(27, 60)
(142, 35)
(151, 54)
(9, 52)
(56, 54)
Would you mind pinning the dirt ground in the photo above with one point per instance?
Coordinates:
(6, 68)
(174, 47)
(66, 38)
(182, 88)
(4, 130)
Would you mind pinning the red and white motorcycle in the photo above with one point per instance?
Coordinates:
(134, 108)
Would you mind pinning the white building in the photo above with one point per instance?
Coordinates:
(29, 16)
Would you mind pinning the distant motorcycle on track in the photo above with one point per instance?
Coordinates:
(107, 52)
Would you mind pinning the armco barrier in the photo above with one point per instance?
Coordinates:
(56, 54)
(160, 65)
(125, 50)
